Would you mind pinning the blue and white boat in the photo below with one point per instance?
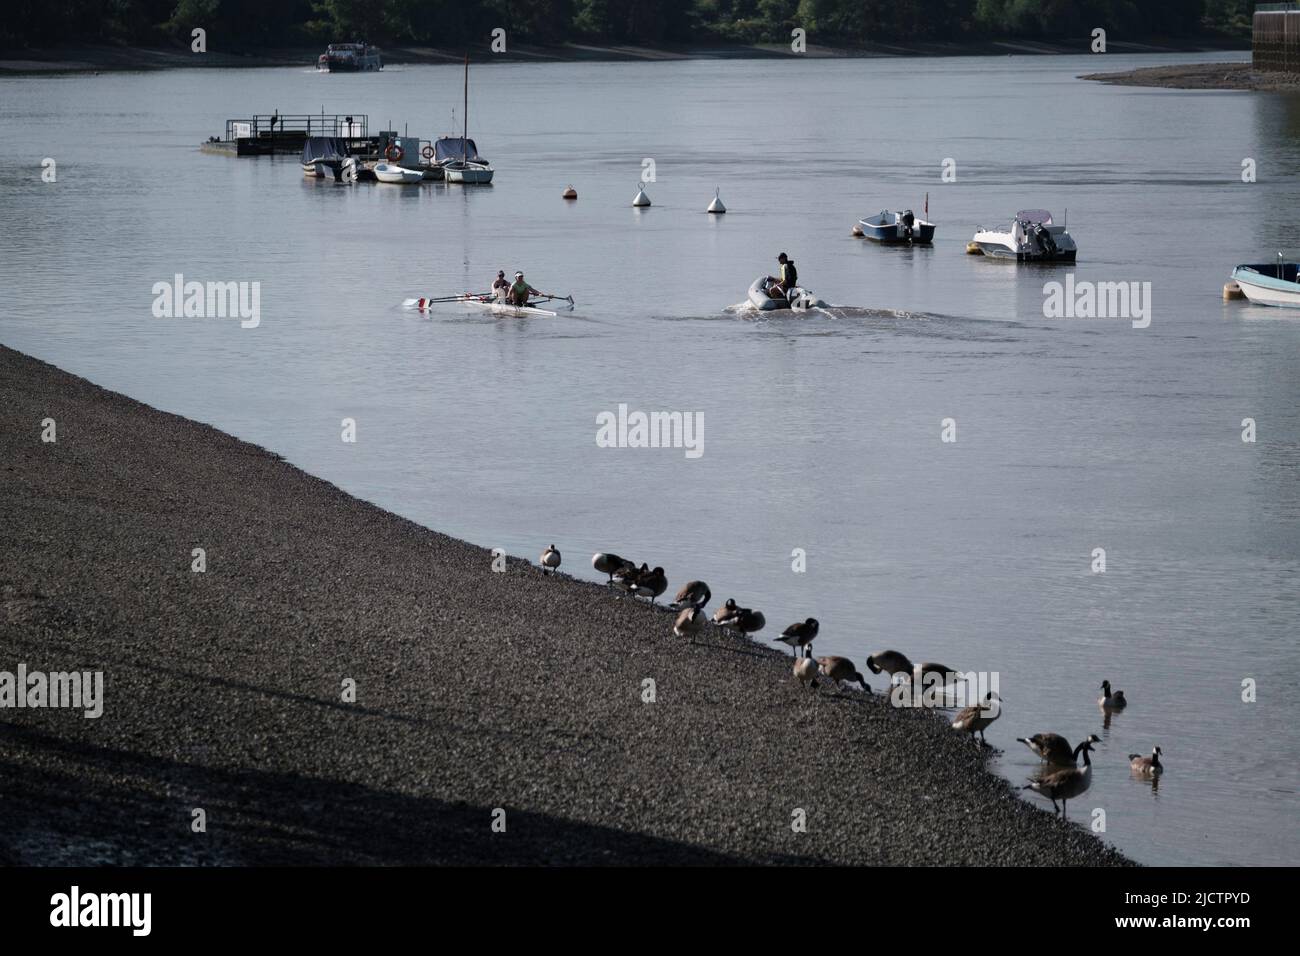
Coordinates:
(1270, 283)
(897, 227)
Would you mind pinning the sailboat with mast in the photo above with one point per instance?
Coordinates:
(458, 156)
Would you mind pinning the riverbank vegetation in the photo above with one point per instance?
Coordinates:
(233, 25)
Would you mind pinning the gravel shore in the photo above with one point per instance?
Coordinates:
(1201, 76)
(475, 690)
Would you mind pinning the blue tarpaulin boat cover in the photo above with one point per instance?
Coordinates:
(316, 148)
(455, 147)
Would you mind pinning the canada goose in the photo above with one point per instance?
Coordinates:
(550, 559)
(1054, 748)
(800, 635)
(688, 623)
(693, 593)
(839, 669)
(920, 671)
(891, 661)
(727, 613)
(1111, 701)
(748, 621)
(806, 669)
(1065, 784)
(626, 577)
(609, 563)
(974, 719)
(1149, 766)
(652, 584)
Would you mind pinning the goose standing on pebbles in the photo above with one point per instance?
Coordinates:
(610, 563)
(693, 594)
(550, 559)
(806, 669)
(727, 613)
(800, 635)
(839, 670)
(1109, 701)
(974, 719)
(891, 661)
(1054, 748)
(748, 621)
(1147, 766)
(625, 578)
(651, 584)
(1065, 784)
(924, 668)
(689, 622)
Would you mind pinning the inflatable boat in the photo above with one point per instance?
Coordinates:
(799, 299)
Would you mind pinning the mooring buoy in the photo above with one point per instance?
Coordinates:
(857, 231)
(641, 198)
(972, 248)
(716, 206)
(1232, 291)
(570, 193)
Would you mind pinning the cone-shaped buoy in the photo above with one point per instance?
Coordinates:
(857, 231)
(1232, 291)
(570, 193)
(641, 198)
(716, 206)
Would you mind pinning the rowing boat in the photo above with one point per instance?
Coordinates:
(487, 303)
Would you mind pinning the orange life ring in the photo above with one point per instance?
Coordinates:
(394, 153)
(427, 152)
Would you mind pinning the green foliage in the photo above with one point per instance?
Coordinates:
(234, 24)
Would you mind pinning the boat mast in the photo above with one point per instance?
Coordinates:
(464, 139)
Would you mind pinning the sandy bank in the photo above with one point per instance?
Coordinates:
(1201, 76)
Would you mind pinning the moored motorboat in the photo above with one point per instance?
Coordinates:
(897, 227)
(350, 58)
(1031, 237)
(1270, 283)
(323, 154)
(798, 299)
(387, 172)
(458, 156)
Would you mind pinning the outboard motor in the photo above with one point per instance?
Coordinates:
(1045, 240)
(908, 220)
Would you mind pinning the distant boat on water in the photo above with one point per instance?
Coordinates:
(897, 227)
(350, 58)
(1031, 237)
(458, 156)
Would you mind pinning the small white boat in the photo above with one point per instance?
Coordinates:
(1270, 283)
(387, 172)
(468, 173)
(1031, 237)
(890, 228)
(798, 299)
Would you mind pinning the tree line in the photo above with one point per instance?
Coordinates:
(235, 25)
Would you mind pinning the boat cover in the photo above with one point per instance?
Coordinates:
(316, 148)
(1035, 215)
(454, 147)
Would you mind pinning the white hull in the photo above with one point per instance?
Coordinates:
(487, 305)
(1261, 295)
(388, 173)
(799, 300)
(469, 176)
(1031, 237)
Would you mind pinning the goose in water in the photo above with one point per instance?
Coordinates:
(550, 559)
(1054, 748)
(892, 662)
(806, 669)
(693, 594)
(839, 670)
(1065, 784)
(727, 613)
(610, 563)
(1147, 766)
(689, 622)
(651, 584)
(974, 719)
(800, 635)
(1109, 701)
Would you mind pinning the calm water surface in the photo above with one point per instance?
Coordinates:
(822, 431)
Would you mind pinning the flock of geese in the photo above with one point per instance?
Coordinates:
(1062, 778)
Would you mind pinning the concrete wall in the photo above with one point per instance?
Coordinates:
(1276, 41)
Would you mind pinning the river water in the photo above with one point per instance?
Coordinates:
(822, 432)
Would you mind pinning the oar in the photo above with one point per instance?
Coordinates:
(564, 298)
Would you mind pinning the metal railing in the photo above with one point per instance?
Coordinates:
(351, 125)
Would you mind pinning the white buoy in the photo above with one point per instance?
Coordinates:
(716, 206)
(641, 198)
(570, 193)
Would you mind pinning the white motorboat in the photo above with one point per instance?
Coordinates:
(1270, 283)
(387, 172)
(350, 58)
(891, 228)
(799, 299)
(1031, 237)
